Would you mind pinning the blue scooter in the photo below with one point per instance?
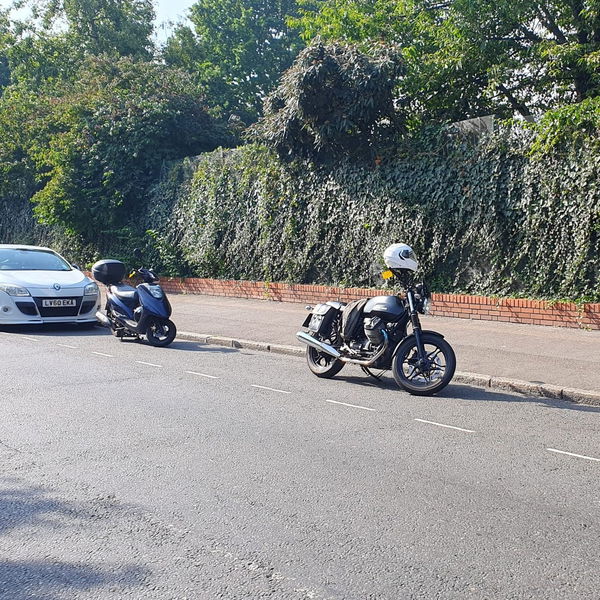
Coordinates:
(134, 312)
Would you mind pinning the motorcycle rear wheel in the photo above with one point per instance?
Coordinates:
(160, 332)
(419, 382)
(320, 363)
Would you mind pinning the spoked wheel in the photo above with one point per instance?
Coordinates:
(161, 332)
(320, 363)
(429, 376)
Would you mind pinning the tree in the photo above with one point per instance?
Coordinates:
(535, 54)
(60, 34)
(5, 42)
(97, 144)
(237, 50)
(465, 58)
(113, 27)
(335, 100)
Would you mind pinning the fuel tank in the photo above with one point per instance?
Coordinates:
(388, 308)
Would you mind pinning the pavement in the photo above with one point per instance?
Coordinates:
(202, 472)
(551, 362)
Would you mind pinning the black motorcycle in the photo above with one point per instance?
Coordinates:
(373, 333)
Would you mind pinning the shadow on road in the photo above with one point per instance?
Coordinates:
(466, 392)
(32, 522)
(49, 580)
(199, 347)
(52, 329)
(67, 330)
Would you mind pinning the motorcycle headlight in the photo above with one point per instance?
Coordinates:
(13, 290)
(156, 291)
(91, 289)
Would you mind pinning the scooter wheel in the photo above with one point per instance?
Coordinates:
(160, 332)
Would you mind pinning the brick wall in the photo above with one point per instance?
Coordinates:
(512, 310)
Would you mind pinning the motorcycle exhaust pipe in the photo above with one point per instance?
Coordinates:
(321, 346)
(370, 361)
(103, 319)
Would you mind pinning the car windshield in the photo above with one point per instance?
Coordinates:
(20, 259)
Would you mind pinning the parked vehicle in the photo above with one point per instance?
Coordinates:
(373, 333)
(133, 312)
(37, 285)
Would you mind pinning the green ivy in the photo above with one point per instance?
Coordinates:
(484, 216)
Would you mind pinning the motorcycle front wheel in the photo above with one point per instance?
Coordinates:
(424, 378)
(160, 332)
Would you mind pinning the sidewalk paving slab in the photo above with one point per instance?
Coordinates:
(553, 362)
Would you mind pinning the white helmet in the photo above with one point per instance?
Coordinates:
(401, 257)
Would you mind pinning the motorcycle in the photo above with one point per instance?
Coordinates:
(373, 333)
(133, 312)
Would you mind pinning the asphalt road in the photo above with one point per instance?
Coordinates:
(200, 472)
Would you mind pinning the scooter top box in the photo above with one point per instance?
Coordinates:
(108, 272)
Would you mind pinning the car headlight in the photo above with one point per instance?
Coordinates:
(156, 291)
(13, 290)
(91, 289)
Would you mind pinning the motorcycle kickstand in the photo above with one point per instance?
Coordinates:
(371, 374)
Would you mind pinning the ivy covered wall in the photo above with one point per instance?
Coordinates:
(491, 216)
(487, 216)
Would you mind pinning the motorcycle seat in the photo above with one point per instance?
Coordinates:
(127, 294)
(338, 305)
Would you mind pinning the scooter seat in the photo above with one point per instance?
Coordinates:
(127, 294)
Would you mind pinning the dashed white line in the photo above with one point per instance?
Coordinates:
(351, 405)
(447, 426)
(67, 346)
(103, 354)
(141, 362)
(262, 387)
(32, 339)
(202, 374)
(571, 454)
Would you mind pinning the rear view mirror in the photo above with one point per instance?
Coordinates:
(137, 253)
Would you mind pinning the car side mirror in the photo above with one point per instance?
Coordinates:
(77, 267)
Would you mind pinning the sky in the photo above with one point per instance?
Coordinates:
(169, 10)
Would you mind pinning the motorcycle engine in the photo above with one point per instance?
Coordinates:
(373, 327)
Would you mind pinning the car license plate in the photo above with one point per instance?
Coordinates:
(58, 302)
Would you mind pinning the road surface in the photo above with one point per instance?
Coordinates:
(200, 472)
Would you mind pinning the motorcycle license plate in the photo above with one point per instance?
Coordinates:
(58, 302)
(315, 322)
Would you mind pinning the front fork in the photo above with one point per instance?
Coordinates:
(416, 325)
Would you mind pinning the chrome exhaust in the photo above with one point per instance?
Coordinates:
(103, 319)
(321, 346)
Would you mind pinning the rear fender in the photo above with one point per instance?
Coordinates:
(321, 318)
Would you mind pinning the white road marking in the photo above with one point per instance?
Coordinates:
(102, 354)
(448, 426)
(351, 405)
(262, 387)
(202, 375)
(67, 346)
(26, 337)
(571, 454)
(141, 362)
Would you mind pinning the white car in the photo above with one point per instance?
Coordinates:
(37, 285)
